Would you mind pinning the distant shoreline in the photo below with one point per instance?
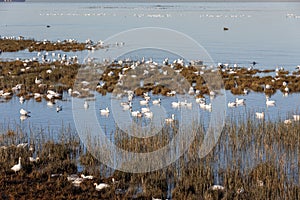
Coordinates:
(162, 1)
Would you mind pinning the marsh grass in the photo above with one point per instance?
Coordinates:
(253, 159)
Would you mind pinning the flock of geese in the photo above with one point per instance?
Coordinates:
(76, 180)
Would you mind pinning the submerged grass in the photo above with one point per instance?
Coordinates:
(253, 159)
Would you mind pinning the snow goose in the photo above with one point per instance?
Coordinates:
(246, 91)
(217, 187)
(287, 121)
(260, 115)
(101, 186)
(37, 81)
(148, 114)
(58, 108)
(208, 107)
(156, 101)
(144, 110)
(144, 102)
(231, 104)
(136, 114)
(24, 112)
(286, 89)
(176, 104)
(296, 117)
(86, 105)
(21, 99)
(127, 105)
(17, 167)
(104, 111)
(239, 101)
(270, 102)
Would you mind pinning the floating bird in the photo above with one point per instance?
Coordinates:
(17, 167)
(126, 105)
(148, 114)
(86, 105)
(21, 99)
(144, 110)
(24, 112)
(58, 108)
(175, 104)
(296, 117)
(231, 104)
(136, 114)
(101, 186)
(104, 111)
(239, 101)
(260, 115)
(270, 102)
(208, 107)
(144, 102)
(156, 101)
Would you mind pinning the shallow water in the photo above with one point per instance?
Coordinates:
(260, 32)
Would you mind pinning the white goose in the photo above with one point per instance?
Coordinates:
(86, 105)
(296, 117)
(144, 102)
(21, 99)
(24, 112)
(101, 186)
(37, 81)
(136, 113)
(144, 110)
(176, 104)
(104, 111)
(17, 167)
(208, 107)
(127, 105)
(239, 101)
(231, 104)
(270, 102)
(58, 108)
(260, 115)
(156, 101)
(148, 114)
